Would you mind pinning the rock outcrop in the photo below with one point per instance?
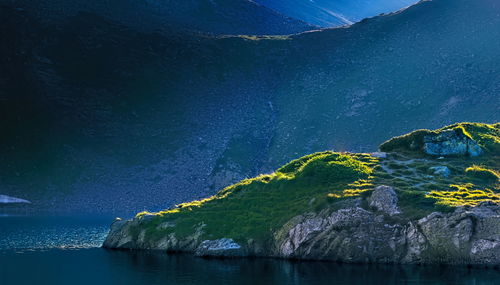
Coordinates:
(466, 236)
(350, 234)
(451, 142)
(384, 199)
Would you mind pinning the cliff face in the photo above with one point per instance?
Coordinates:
(466, 236)
(410, 205)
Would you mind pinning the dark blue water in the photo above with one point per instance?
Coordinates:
(48, 250)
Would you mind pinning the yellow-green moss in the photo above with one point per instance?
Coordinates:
(482, 173)
(464, 195)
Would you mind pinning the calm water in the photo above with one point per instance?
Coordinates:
(48, 250)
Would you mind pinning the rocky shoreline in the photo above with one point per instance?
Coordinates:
(429, 197)
(352, 234)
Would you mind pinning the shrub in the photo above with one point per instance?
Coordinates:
(333, 167)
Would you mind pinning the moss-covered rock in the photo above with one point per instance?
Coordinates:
(459, 139)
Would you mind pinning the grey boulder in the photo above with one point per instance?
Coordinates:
(385, 200)
(224, 247)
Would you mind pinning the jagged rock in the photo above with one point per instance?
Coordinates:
(131, 234)
(119, 235)
(443, 171)
(225, 247)
(384, 199)
(450, 142)
(348, 235)
(466, 236)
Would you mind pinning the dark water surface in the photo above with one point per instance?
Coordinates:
(49, 250)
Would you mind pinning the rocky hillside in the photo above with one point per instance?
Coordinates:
(101, 115)
(431, 197)
(207, 16)
(333, 13)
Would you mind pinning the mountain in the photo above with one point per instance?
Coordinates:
(426, 200)
(208, 16)
(332, 13)
(101, 116)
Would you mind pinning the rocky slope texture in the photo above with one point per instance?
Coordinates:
(332, 13)
(208, 16)
(397, 206)
(100, 114)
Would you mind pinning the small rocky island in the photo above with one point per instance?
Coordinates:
(427, 197)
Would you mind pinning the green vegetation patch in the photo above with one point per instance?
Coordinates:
(254, 208)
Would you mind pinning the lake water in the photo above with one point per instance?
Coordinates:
(65, 250)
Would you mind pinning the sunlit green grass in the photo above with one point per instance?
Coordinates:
(254, 208)
(464, 195)
(482, 173)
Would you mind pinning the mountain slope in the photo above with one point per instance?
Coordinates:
(209, 16)
(332, 13)
(100, 116)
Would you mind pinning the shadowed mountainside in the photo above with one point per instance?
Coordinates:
(209, 16)
(101, 116)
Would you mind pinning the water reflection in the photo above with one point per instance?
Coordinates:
(99, 266)
(184, 269)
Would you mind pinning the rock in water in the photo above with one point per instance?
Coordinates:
(220, 247)
(451, 142)
(384, 199)
(4, 199)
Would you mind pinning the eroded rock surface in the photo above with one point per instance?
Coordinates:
(384, 199)
(466, 236)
